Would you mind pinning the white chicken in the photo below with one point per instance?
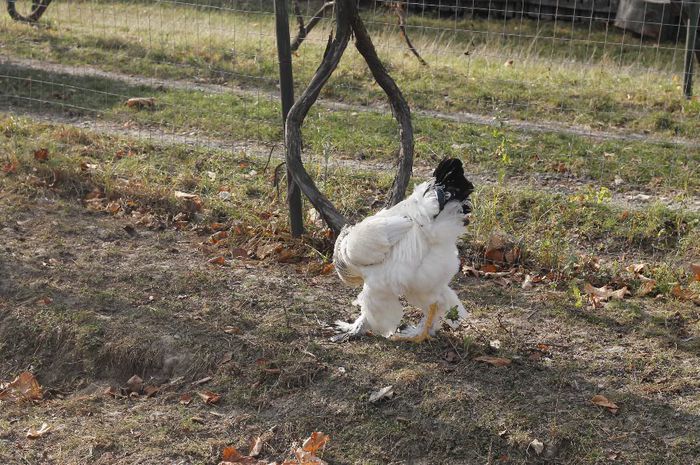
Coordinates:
(407, 250)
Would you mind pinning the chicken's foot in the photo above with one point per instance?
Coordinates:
(425, 331)
(347, 331)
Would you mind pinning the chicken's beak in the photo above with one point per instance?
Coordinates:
(466, 210)
(467, 207)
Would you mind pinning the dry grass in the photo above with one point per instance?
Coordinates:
(105, 273)
(596, 77)
(130, 291)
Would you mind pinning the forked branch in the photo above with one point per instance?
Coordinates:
(401, 13)
(333, 218)
(38, 9)
(399, 106)
(304, 30)
(347, 22)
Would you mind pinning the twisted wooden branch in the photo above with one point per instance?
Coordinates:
(348, 22)
(333, 218)
(401, 13)
(38, 9)
(399, 106)
(304, 30)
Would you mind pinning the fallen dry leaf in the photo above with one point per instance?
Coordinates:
(209, 397)
(228, 356)
(560, 167)
(220, 260)
(23, 387)
(386, 392)
(495, 361)
(267, 366)
(685, 294)
(488, 268)
(495, 255)
(218, 236)
(112, 392)
(606, 292)
(265, 250)
(513, 255)
(184, 195)
(238, 252)
(141, 102)
(542, 347)
(121, 153)
(646, 288)
(41, 155)
(150, 390)
(230, 454)
(603, 401)
(695, 268)
(316, 441)
(256, 447)
(186, 398)
(113, 207)
(636, 268)
(537, 446)
(95, 193)
(36, 434)
(134, 384)
(9, 168)
(306, 455)
(288, 256)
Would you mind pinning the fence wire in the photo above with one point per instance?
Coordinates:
(583, 67)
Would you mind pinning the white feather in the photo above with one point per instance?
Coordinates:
(407, 250)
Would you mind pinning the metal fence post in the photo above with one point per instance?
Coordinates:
(693, 12)
(284, 53)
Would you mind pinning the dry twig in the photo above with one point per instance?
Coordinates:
(401, 14)
(304, 30)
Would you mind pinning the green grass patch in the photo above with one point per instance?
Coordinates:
(557, 231)
(143, 300)
(328, 134)
(595, 75)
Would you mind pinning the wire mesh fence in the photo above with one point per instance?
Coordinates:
(584, 68)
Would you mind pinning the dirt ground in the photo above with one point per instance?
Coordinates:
(89, 299)
(233, 351)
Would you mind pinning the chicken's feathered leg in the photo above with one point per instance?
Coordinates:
(350, 330)
(435, 315)
(423, 330)
(450, 300)
(381, 313)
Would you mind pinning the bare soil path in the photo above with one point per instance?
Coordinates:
(88, 299)
(555, 183)
(458, 117)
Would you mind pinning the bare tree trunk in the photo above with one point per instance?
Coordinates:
(38, 9)
(333, 218)
(347, 22)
